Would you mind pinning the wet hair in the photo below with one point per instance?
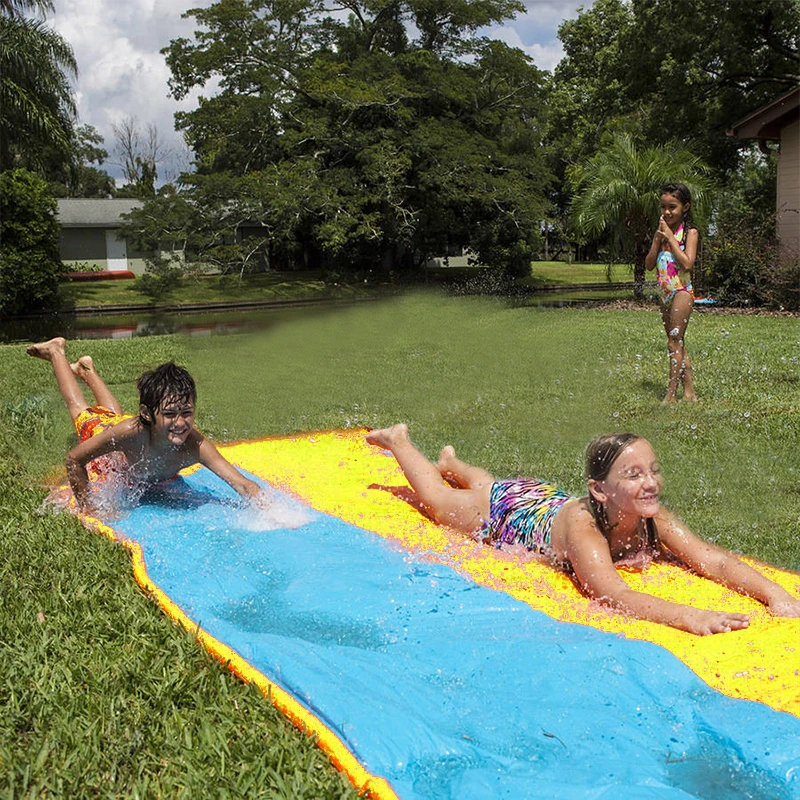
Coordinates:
(682, 193)
(601, 454)
(165, 383)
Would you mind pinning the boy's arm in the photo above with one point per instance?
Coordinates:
(107, 441)
(210, 457)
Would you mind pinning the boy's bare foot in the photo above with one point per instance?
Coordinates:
(387, 438)
(83, 367)
(446, 458)
(46, 350)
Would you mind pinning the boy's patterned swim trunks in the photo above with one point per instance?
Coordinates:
(95, 419)
(92, 421)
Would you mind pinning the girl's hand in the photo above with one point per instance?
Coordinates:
(663, 229)
(704, 623)
(787, 606)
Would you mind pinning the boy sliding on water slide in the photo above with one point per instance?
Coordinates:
(620, 518)
(157, 443)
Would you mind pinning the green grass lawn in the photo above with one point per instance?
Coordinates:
(210, 289)
(555, 272)
(104, 696)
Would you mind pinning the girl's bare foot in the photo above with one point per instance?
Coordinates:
(446, 458)
(46, 350)
(83, 367)
(387, 438)
(690, 398)
(669, 400)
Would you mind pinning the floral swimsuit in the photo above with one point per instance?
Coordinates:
(671, 278)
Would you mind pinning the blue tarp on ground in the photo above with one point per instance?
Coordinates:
(445, 688)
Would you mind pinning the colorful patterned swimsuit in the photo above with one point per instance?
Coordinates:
(671, 278)
(522, 510)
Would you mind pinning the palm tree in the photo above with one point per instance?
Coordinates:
(617, 195)
(37, 110)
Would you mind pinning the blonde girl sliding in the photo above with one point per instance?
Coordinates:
(672, 254)
(621, 518)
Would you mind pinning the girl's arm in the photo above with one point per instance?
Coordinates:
(587, 550)
(724, 567)
(655, 246)
(210, 457)
(687, 256)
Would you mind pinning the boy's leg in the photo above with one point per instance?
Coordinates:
(84, 368)
(54, 351)
(469, 476)
(464, 509)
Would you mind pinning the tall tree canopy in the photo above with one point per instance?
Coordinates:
(673, 70)
(37, 111)
(375, 134)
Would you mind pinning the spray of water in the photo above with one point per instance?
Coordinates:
(274, 513)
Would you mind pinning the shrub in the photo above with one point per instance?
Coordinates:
(30, 266)
(747, 267)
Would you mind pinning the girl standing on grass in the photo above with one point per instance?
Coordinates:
(672, 254)
(621, 519)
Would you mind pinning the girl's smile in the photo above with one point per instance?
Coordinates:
(673, 210)
(633, 485)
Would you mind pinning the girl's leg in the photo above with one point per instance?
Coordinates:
(466, 510)
(680, 311)
(470, 477)
(676, 317)
(84, 368)
(54, 351)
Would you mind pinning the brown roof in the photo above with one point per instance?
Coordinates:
(767, 122)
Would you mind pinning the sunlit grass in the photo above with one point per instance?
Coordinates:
(555, 272)
(210, 289)
(103, 696)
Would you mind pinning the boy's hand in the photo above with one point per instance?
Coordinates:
(261, 500)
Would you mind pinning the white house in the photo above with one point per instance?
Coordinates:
(90, 234)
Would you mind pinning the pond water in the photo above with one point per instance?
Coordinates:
(115, 326)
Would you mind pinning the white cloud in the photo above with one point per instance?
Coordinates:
(121, 71)
(545, 56)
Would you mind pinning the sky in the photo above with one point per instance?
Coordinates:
(122, 75)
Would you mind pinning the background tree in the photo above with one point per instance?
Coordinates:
(669, 70)
(666, 71)
(82, 176)
(617, 196)
(30, 267)
(139, 151)
(354, 144)
(37, 111)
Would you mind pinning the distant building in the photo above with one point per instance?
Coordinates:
(90, 234)
(779, 121)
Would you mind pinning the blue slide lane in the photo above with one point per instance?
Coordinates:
(443, 687)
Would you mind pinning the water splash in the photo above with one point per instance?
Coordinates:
(278, 512)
